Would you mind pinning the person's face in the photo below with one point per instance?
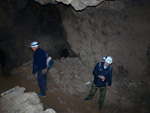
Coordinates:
(34, 48)
(106, 64)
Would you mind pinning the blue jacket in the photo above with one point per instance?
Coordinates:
(107, 73)
(39, 60)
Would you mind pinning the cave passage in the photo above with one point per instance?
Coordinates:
(2, 58)
(33, 23)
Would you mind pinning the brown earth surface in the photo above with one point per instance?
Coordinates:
(127, 98)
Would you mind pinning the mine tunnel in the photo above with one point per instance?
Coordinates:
(77, 35)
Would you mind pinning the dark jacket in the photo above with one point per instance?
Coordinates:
(107, 73)
(39, 60)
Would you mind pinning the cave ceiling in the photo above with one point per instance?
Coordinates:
(76, 4)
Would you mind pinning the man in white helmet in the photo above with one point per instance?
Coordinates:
(102, 75)
(40, 66)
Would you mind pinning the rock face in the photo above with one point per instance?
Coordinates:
(15, 100)
(81, 4)
(77, 4)
(20, 27)
(105, 30)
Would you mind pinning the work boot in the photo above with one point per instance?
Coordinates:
(39, 94)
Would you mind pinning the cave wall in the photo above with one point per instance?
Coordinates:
(112, 28)
(120, 30)
(22, 24)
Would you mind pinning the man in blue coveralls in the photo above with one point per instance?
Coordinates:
(102, 74)
(40, 66)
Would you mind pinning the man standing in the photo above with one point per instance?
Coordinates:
(102, 74)
(40, 66)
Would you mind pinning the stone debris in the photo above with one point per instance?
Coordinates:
(16, 101)
(49, 111)
(87, 83)
(61, 101)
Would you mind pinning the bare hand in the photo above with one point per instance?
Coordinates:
(102, 77)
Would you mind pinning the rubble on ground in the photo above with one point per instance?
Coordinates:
(16, 100)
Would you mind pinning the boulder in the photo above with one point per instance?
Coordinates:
(16, 100)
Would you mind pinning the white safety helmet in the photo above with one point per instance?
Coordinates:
(34, 44)
(108, 59)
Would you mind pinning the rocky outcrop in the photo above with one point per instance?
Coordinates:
(76, 4)
(15, 100)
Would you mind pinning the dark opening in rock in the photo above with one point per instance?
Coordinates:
(2, 58)
(65, 53)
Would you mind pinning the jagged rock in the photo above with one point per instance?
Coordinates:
(77, 4)
(81, 4)
(15, 100)
(49, 111)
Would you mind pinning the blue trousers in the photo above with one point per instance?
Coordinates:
(42, 81)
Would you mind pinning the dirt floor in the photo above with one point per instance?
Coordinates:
(62, 103)
(57, 101)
